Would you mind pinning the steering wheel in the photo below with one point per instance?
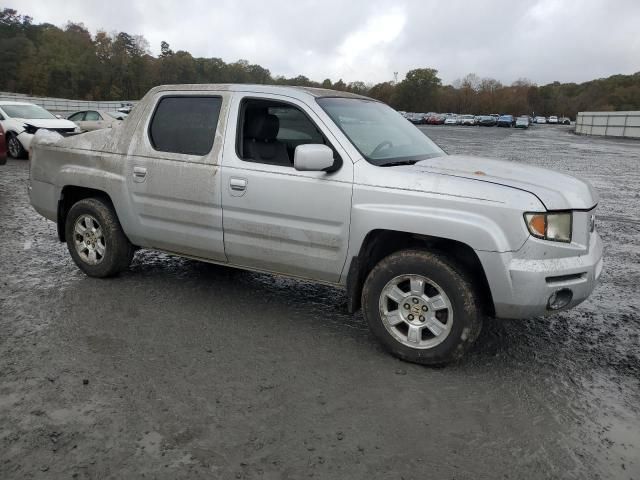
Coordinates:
(380, 146)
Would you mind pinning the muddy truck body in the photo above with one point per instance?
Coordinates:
(328, 187)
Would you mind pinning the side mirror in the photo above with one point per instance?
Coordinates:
(58, 116)
(312, 157)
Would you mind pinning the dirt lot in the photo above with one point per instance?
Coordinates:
(179, 369)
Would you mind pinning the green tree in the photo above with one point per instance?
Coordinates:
(383, 92)
(418, 92)
(165, 50)
(340, 85)
(358, 87)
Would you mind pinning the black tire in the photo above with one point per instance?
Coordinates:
(466, 317)
(118, 251)
(14, 147)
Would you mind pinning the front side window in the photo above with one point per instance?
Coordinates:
(28, 112)
(380, 134)
(185, 124)
(271, 130)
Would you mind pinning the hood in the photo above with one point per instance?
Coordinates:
(557, 191)
(47, 122)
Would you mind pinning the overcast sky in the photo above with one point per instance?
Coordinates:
(368, 40)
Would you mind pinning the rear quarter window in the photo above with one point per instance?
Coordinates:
(184, 124)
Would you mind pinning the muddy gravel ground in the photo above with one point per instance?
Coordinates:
(179, 369)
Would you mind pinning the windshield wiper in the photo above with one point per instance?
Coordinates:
(398, 163)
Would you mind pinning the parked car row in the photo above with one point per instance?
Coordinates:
(3, 146)
(482, 120)
(19, 121)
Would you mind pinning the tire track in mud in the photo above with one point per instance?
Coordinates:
(617, 219)
(240, 373)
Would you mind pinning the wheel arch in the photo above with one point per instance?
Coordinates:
(11, 133)
(70, 195)
(380, 243)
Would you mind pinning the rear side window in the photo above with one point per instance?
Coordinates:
(185, 124)
(92, 117)
(76, 117)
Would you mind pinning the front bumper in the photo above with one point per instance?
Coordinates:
(521, 286)
(25, 139)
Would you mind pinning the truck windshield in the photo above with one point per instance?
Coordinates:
(381, 135)
(26, 111)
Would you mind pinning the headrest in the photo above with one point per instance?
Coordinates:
(261, 126)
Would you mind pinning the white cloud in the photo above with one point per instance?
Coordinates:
(367, 40)
(366, 43)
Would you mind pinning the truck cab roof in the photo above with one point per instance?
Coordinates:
(298, 92)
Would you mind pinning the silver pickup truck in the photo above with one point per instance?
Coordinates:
(330, 187)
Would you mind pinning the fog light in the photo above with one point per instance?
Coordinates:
(559, 299)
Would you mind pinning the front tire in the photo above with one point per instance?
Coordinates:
(14, 147)
(95, 238)
(421, 307)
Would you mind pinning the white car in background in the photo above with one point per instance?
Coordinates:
(21, 120)
(552, 119)
(541, 120)
(467, 120)
(89, 120)
(451, 121)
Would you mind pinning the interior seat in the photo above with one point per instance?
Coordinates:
(260, 139)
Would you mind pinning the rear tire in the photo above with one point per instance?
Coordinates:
(95, 238)
(421, 307)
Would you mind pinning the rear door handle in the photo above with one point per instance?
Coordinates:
(139, 174)
(238, 186)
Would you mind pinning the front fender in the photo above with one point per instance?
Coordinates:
(482, 224)
(473, 229)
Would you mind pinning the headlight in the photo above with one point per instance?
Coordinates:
(30, 129)
(550, 226)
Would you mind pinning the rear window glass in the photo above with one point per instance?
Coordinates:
(185, 124)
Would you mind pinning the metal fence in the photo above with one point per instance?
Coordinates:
(62, 106)
(609, 124)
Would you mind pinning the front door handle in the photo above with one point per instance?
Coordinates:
(238, 186)
(139, 174)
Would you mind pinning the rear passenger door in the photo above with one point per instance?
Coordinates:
(93, 121)
(275, 217)
(172, 174)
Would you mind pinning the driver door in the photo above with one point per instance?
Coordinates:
(276, 218)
